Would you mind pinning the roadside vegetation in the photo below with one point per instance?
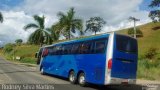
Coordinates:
(20, 53)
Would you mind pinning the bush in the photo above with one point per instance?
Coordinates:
(148, 69)
(8, 48)
(138, 32)
(28, 60)
(151, 53)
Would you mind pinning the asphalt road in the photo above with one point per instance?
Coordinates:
(11, 73)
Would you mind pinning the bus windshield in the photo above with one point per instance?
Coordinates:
(126, 44)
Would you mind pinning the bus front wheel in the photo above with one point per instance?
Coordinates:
(72, 77)
(81, 79)
(42, 71)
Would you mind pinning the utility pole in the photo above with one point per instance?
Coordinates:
(134, 20)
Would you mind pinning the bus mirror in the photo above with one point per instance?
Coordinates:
(36, 55)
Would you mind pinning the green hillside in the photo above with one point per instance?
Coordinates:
(150, 39)
(25, 52)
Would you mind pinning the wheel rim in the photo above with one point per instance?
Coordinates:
(42, 70)
(82, 79)
(71, 77)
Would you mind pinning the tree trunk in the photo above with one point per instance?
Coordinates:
(95, 32)
(69, 33)
(41, 44)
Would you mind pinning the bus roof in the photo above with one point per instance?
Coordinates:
(83, 39)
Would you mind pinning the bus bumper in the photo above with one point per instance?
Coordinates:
(118, 81)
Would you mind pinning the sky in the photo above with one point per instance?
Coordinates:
(18, 13)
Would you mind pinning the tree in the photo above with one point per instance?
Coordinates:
(138, 32)
(1, 17)
(95, 24)
(155, 14)
(40, 35)
(55, 33)
(68, 23)
(19, 41)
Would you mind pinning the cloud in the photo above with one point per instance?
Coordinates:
(12, 27)
(114, 12)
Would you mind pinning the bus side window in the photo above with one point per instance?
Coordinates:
(100, 46)
(58, 50)
(53, 50)
(65, 50)
(86, 48)
(68, 48)
(75, 49)
(49, 50)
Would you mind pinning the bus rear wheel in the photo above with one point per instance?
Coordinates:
(72, 77)
(81, 79)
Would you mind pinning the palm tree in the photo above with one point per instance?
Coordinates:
(68, 23)
(55, 33)
(40, 35)
(1, 17)
(94, 24)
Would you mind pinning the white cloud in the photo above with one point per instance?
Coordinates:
(12, 27)
(115, 12)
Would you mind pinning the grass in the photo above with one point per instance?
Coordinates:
(25, 52)
(148, 69)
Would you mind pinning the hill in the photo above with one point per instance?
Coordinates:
(25, 52)
(150, 39)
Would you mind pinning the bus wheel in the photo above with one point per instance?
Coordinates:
(42, 71)
(81, 79)
(72, 77)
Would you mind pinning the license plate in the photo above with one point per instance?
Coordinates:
(125, 81)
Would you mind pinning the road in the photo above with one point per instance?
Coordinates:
(17, 74)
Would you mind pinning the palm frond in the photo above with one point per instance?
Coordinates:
(31, 25)
(71, 13)
(61, 15)
(78, 23)
(48, 29)
(40, 20)
(48, 39)
(1, 17)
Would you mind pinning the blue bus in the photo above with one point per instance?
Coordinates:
(104, 60)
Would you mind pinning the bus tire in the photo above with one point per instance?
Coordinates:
(42, 71)
(72, 77)
(81, 79)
